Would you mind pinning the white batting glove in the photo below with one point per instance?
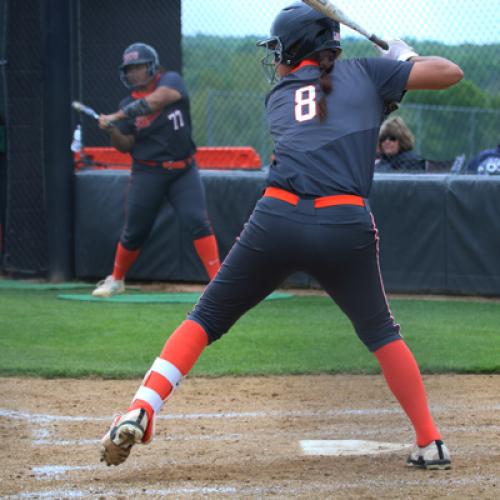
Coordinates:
(398, 50)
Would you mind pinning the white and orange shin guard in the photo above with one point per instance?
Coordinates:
(162, 375)
(180, 353)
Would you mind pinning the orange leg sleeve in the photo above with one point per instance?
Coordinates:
(123, 260)
(403, 377)
(207, 251)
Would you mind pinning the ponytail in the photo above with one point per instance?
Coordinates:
(326, 59)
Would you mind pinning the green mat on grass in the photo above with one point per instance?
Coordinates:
(154, 298)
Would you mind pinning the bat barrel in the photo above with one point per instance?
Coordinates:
(84, 109)
(330, 10)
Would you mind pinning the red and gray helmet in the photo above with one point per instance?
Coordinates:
(139, 53)
(297, 32)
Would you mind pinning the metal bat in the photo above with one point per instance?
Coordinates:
(332, 11)
(85, 109)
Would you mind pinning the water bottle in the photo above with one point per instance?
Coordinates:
(76, 144)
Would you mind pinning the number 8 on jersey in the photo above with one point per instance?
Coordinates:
(305, 103)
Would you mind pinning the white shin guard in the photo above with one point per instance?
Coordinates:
(167, 370)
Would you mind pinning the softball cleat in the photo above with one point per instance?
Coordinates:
(126, 431)
(434, 456)
(109, 287)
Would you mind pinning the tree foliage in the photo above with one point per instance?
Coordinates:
(228, 88)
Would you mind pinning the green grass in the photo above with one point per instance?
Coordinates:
(41, 335)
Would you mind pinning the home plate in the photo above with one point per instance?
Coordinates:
(348, 447)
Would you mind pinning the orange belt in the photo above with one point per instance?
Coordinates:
(166, 164)
(322, 202)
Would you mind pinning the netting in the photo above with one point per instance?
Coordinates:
(3, 139)
(102, 31)
(95, 46)
(25, 243)
(213, 43)
(222, 66)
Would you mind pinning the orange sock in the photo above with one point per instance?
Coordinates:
(207, 251)
(180, 353)
(123, 260)
(403, 377)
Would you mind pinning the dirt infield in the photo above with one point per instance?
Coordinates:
(240, 437)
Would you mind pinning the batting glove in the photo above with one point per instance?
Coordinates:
(398, 50)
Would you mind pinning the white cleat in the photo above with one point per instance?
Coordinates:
(125, 431)
(434, 456)
(109, 287)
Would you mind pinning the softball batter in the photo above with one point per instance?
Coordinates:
(154, 125)
(324, 114)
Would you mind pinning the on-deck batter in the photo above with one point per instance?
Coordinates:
(154, 125)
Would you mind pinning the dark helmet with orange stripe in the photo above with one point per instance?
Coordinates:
(297, 32)
(139, 53)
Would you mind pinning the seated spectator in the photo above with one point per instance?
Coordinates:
(487, 162)
(395, 146)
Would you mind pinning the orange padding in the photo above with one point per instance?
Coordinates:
(321, 202)
(100, 157)
(220, 158)
(240, 157)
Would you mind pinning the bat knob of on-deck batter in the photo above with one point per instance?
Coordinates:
(378, 41)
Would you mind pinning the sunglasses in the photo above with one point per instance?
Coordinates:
(388, 138)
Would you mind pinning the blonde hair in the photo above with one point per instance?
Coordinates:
(396, 127)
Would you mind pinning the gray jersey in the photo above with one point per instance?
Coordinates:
(166, 134)
(338, 155)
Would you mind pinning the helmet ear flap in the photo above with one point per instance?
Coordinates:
(152, 69)
(290, 57)
(155, 60)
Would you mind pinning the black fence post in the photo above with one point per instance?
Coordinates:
(57, 134)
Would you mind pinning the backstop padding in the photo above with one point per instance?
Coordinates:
(438, 233)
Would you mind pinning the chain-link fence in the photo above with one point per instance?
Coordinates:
(221, 64)
(25, 243)
(92, 35)
(102, 30)
(213, 42)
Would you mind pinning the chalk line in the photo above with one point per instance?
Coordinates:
(288, 489)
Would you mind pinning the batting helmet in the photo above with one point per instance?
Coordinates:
(139, 53)
(297, 32)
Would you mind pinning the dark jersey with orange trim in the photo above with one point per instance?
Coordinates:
(337, 156)
(166, 134)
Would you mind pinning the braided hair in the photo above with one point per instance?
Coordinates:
(326, 60)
